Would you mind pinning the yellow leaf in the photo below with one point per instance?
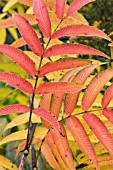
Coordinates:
(2, 36)
(9, 4)
(21, 119)
(6, 163)
(13, 32)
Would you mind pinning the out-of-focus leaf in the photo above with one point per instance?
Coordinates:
(13, 32)
(26, 2)
(9, 4)
(2, 36)
(6, 163)
(60, 5)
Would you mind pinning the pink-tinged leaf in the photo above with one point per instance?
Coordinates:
(46, 151)
(59, 87)
(20, 58)
(46, 115)
(80, 136)
(72, 98)
(14, 108)
(50, 141)
(62, 145)
(26, 2)
(95, 87)
(62, 64)
(42, 16)
(100, 130)
(9, 22)
(76, 5)
(45, 103)
(80, 30)
(72, 49)
(108, 113)
(17, 82)
(26, 29)
(60, 5)
(108, 96)
(57, 98)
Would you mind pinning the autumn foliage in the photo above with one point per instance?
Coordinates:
(65, 84)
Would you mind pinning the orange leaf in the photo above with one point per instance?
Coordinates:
(42, 16)
(72, 98)
(26, 29)
(95, 87)
(80, 30)
(46, 115)
(81, 138)
(17, 82)
(100, 130)
(60, 5)
(72, 49)
(108, 113)
(76, 5)
(50, 141)
(62, 64)
(46, 151)
(26, 2)
(57, 98)
(59, 87)
(108, 96)
(45, 103)
(20, 58)
(14, 108)
(62, 145)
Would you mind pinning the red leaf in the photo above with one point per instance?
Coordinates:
(14, 108)
(108, 113)
(108, 96)
(60, 5)
(59, 87)
(62, 145)
(17, 82)
(81, 138)
(20, 58)
(95, 87)
(76, 5)
(72, 98)
(26, 29)
(72, 49)
(46, 151)
(80, 30)
(42, 16)
(62, 64)
(100, 130)
(47, 116)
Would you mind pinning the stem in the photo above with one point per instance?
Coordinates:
(31, 127)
